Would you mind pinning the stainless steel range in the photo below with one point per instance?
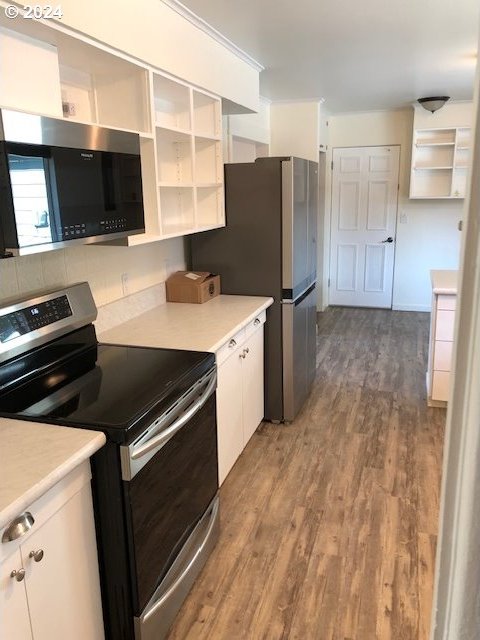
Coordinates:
(155, 482)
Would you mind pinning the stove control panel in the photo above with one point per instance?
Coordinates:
(23, 321)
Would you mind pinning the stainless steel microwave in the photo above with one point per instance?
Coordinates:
(64, 183)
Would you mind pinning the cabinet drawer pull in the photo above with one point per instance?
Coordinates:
(18, 575)
(36, 555)
(18, 527)
(256, 322)
(232, 343)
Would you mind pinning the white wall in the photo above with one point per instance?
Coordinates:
(427, 235)
(295, 129)
(101, 266)
(252, 126)
(155, 33)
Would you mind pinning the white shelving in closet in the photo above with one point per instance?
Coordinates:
(440, 160)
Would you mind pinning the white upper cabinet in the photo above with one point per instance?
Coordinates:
(188, 158)
(29, 67)
(440, 161)
(180, 126)
(441, 151)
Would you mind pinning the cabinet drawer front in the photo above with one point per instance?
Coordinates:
(44, 507)
(441, 385)
(445, 325)
(442, 358)
(256, 323)
(449, 303)
(230, 346)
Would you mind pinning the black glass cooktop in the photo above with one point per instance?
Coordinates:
(97, 386)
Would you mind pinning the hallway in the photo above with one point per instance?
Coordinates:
(328, 525)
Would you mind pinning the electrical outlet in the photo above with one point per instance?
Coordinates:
(403, 218)
(124, 278)
(68, 109)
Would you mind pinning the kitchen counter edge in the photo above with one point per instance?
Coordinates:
(24, 470)
(444, 282)
(124, 332)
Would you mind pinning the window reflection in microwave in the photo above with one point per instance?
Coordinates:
(29, 188)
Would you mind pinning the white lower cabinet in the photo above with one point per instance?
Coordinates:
(442, 325)
(58, 594)
(15, 618)
(252, 385)
(240, 395)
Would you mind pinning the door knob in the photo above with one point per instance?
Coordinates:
(389, 240)
(18, 575)
(36, 555)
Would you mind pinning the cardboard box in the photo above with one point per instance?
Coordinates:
(192, 286)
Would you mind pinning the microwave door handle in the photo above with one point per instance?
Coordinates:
(163, 437)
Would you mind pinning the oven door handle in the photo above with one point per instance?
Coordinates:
(163, 437)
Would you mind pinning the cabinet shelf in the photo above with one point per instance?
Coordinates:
(163, 127)
(206, 115)
(422, 168)
(435, 144)
(171, 103)
(439, 163)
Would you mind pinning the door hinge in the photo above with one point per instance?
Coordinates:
(329, 282)
(398, 187)
(331, 165)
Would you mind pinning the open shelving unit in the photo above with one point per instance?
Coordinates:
(440, 161)
(188, 157)
(180, 126)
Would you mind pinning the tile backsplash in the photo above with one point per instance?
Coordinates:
(112, 272)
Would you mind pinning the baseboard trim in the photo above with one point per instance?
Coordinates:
(411, 307)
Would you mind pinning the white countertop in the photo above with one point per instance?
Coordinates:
(34, 457)
(444, 282)
(194, 327)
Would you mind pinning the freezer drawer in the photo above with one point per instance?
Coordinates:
(299, 351)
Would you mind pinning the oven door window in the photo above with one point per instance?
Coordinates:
(29, 176)
(167, 498)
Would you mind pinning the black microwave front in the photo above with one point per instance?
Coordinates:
(65, 183)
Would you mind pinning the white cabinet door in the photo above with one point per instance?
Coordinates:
(63, 588)
(14, 616)
(229, 413)
(253, 396)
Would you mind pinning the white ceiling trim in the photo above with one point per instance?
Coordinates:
(201, 24)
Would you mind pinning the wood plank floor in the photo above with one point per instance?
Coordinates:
(329, 524)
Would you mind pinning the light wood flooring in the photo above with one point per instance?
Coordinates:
(329, 524)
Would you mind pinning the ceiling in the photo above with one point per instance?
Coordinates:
(358, 55)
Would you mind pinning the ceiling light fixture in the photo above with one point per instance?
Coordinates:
(434, 103)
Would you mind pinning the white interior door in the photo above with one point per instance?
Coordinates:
(364, 212)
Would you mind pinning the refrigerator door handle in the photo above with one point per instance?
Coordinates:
(301, 296)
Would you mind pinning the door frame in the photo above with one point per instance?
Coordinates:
(326, 299)
(455, 609)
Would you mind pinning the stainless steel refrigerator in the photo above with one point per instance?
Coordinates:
(269, 248)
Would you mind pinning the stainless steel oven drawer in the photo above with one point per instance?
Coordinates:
(160, 612)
